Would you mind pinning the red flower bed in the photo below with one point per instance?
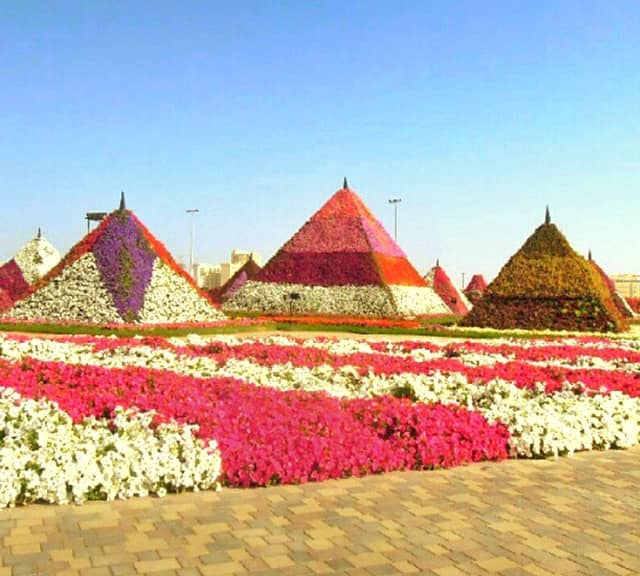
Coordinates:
(268, 436)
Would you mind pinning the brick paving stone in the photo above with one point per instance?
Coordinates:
(574, 516)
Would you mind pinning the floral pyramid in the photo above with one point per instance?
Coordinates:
(450, 295)
(119, 272)
(30, 263)
(5, 300)
(547, 285)
(618, 299)
(246, 272)
(476, 287)
(342, 262)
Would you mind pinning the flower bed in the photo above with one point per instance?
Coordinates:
(269, 436)
(45, 457)
(555, 396)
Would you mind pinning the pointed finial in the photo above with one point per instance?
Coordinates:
(123, 204)
(344, 184)
(437, 262)
(39, 235)
(547, 216)
(590, 255)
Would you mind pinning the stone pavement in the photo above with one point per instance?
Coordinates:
(576, 515)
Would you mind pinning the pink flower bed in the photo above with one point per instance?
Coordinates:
(270, 436)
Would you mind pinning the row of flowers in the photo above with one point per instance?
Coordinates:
(368, 301)
(596, 368)
(46, 457)
(266, 435)
(547, 409)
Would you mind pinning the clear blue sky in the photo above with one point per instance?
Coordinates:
(476, 114)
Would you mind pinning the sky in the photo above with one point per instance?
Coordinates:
(476, 114)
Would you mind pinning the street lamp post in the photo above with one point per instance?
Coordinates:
(395, 202)
(192, 212)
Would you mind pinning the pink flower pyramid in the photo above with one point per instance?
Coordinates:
(342, 262)
(117, 273)
(618, 299)
(474, 290)
(246, 272)
(451, 296)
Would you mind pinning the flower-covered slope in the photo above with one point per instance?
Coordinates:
(5, 300)
(547, 285)
(246, 272)
(117, 273)
(476, 287)
(343, 262)
(29, 264)
(12, 280)
(621, 304)
(451, 296)
(634, 304)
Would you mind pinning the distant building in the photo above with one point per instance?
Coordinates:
(627, 284)
(213, 275)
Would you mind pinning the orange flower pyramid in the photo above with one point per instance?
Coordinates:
(546, 285)
(341, 262)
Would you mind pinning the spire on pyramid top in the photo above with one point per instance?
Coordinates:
(39, 234)
(437, 262)
(345, 186)
(590, 258)
(123, 204)
(547, 216)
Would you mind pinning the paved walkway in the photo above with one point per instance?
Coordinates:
(576, 515)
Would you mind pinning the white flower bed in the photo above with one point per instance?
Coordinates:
(170, 298)
(76, 295)
(45, 457)
(374, 301)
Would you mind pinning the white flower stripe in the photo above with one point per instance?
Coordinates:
(44, 456)
(374, 301)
